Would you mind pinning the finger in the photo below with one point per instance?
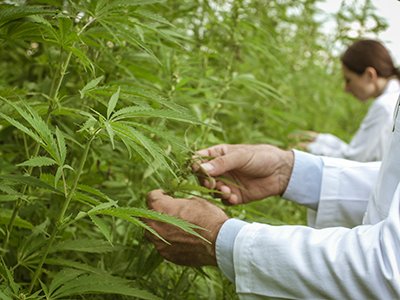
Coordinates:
(154, 196)
(203, 155)
(228, 197)
(226, 163)
(216, 151)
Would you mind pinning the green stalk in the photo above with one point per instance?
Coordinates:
(208, 129)
(60, 220)
(76, 180)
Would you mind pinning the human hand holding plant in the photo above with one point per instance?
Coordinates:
(185, 248)
(253, 172)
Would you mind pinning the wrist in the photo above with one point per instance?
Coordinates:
(286, 169)
(212, 249)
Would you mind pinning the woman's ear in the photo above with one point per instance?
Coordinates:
(371, 74)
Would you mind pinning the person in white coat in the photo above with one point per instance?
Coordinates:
(369, 72)
(351, 250)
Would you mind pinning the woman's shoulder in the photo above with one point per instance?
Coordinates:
(384, 103)
(389, 96)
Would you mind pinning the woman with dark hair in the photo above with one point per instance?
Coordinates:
(369, 72)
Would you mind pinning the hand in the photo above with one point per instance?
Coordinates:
(185, 248)
(260, 171)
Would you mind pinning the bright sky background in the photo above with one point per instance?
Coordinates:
(388, 9)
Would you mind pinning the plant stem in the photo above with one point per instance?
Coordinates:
(60, 220)
(208, 129)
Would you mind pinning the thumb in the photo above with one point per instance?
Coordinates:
(225, 163)
(155, 197)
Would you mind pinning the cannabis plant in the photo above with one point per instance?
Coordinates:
(56, 122)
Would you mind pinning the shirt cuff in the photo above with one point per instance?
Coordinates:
(224, 247)
(305, 182)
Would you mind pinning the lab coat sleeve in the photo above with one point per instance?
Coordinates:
(299, 262)
(345, 190)
(367, 144)
(305, 181)
(336, 190)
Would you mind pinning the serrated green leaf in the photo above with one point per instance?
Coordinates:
(132, 112)
(160, 133)
(122, 215)
(5, 217)
(98, 207)
(132, 39)
(31, 247)
(104, 284)
(85, 60)
(110, 132)
(31, 181)
(104, 229)
(65, 25)
(114, 4)
(88, 124)
(63, 277)
(131, 144)
(40, 127)
(57, 176)
(150, 214)
(127, 112)
(7, 198)
(61, 146)
(9, 190)
(17, 32)
(74, 264)
(86, 199)
(92, 84)
(99, 5)
(10, 278)
(182, 82)
(40, 20)
(155, 151)
(159, 32)
(102, 206)
(109, 29)
(192, 187)
(38, 161)
(4, 296)
(113, 102)
(17, 12)
(36, 121)
(83, 245)
(153, 16)
(91, 190)
(22, 128)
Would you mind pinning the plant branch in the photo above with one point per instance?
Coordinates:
(19, 202)
(60, 220)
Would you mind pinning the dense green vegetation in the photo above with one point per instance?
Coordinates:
(103, 101)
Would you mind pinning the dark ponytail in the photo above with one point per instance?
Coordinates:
(369, 53)
(396, 72)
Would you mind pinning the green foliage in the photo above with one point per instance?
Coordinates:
(103, 101)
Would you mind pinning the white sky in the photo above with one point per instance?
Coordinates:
(388, 9)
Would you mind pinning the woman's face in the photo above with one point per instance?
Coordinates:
(360, 86)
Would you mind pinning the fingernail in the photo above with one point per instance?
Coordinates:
(207, 167)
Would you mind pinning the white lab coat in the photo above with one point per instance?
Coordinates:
(358, 263)
(371, 139)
